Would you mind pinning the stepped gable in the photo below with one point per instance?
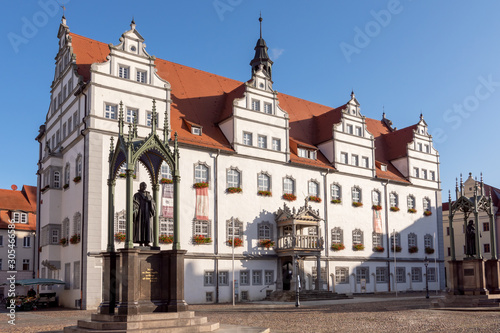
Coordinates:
(206, 99)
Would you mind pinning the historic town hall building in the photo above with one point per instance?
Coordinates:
(249, 159)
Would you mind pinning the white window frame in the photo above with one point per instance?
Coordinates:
(357, 236)
(264, 182)
(247, 138)
(354, 160)
(141, 76)
(357, 194)
(268, 108)
(262, 141)
(344, 158)
(342, 275)
(276, 144)
(313, 188)
(288, 185)
(131, 114)
(255, 104)
(337, 235)
(233, 178)
(27, 241)
(201, 173)
(208, 278)
(110, 111)
(124, 71)
(393, 200)
(411, 202)
(57, 179)
(336, 192)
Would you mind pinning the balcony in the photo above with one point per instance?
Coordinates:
(299, 243)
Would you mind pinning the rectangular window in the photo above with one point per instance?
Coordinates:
(432, 175)
(427, 149)
(276, 144)
(358, 131)
(75, 119)
(447, 231)
(344, 158)
(268, 108)
(366, 162)
(54, 237)
(486, 248)
(362, 273)
(376, 239)
(131, 115)
(123, 72)
(15, 217)
(486, 226)
(244, 278)
(416, 274)
(64, 92)
(431, 274)
(416, 172)
(1, 242)
(141, 76)
(381, 274)
(244, 295)
(247, 139)
(419, 147)
(110, 111)
(263, 182)
(64, 131)
(149, 115)
(424, 174)
(208, 279)
(349, 129)
(209, 297)
(302, 152)
(26, 264)
(449, 252)
(70, 85)
(341, 275)
(67, 275)
(255, 105)
(401, 274)
(76, 275)
(223, 278)
(1, 264)
(202, 228)
(58, 136)
(27, 241)
(262, 141)
(269, 277)
(195, 130)
(256, 277)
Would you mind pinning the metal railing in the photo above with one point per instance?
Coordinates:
(300, 241)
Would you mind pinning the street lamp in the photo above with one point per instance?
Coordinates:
(426, 263)
(297, 282)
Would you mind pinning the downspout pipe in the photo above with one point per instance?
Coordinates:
(216, 225)
(388, 239)
(325, 207)
(85, 180)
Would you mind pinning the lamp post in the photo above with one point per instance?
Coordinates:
(426, 263)
(297, 282)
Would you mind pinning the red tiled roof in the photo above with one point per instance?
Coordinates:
(207, 99)
(24, 200)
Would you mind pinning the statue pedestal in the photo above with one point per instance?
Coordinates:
(474, 277)
(139, 281)
(493, 276)
(455, 277)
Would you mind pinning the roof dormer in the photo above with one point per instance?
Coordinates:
(352, 107)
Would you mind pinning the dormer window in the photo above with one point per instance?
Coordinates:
(307, 153)
(349, 129)
(255, 105)
(358, 131)
(196, 130)
(383, 167)
(268, 108)
(124, 72)
(141, 76)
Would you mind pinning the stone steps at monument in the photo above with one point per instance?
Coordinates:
(308, 295)
(175, 322)
(467, 301)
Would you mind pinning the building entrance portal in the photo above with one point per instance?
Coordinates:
(287, 271)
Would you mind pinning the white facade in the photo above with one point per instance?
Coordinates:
(77, 137)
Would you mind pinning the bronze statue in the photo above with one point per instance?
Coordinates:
(470, 240)
(144, 210)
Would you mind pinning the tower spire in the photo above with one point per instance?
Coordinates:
(261, 57)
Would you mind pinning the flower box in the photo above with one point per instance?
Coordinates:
(398, 248)
(77, 179)
(358, 247)
(166, 239)
(75, 239)
(413, 249)
(267, 243)
(264, 193)
(378, 249)
(394, 209)
(62, 241)
(122, 175)
(338, 246)
(65, 186)
(200, 239)
(234, 190)
(166, 181)
(427, 213)
(119, 237)
(336, 201)
(45, 188)
(377, 207)
(289, 197)
(314, 198)
(412, 210)
(200, 185)
(237, 242)
(429, 250)
(357, 204)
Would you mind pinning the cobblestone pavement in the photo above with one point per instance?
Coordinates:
(367, 313)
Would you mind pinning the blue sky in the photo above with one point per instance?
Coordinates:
(404, 57)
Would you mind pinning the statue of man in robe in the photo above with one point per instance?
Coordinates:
(470, 240)
(144, 210)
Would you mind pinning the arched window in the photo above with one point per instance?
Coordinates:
(165, 171)
(66, 174)
(201, 173)
(313, 188)
(337, 235)
(77, 223)
(57, 179)
(233, 178)
(264, 182)
(427, 204)
(120, 222)
(65, 230)
(411, 202)
(79, 166)
(265, 230)
(393, 199)
(288, 185)
(236, 226)
(377, 239)
(357, 236)
(356, 194)
(412, 240)
(395, 237)
(376, 197)
(336, 192)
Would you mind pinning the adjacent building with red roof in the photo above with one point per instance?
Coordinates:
(365, 182)
(18, 213)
